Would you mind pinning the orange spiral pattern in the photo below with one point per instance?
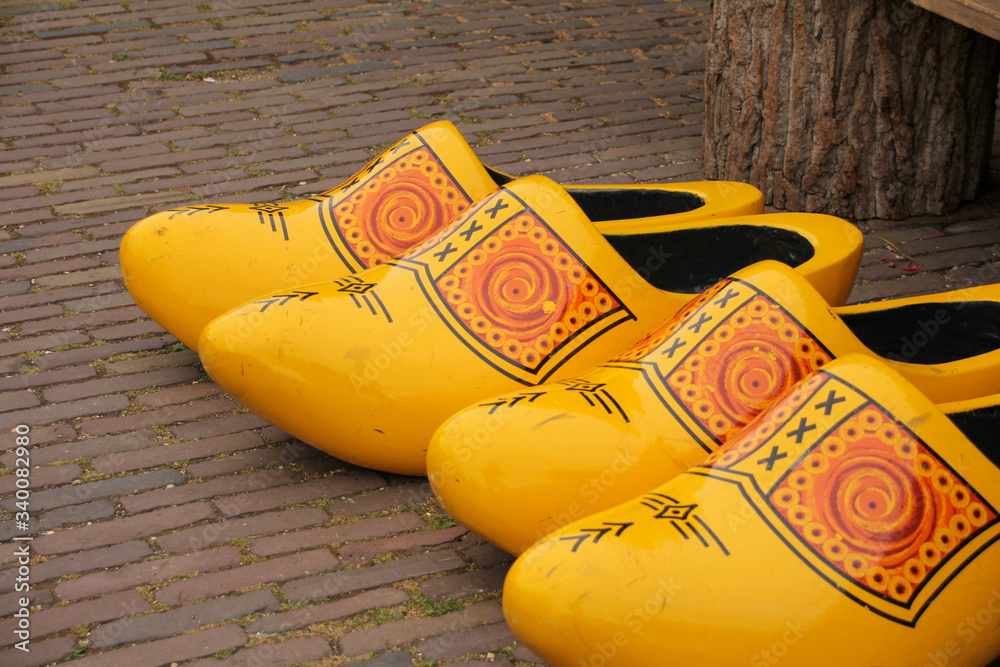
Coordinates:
(522, 292)
(877, 504)
(397, 207)
(751, 358)
(662, 333)
(763, 426)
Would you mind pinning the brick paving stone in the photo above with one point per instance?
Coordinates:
(9, 288)
(261, 524)
(375, 501)
(121, 383)
(135, 329)
(85, 321)
(20, 245)
(182, 394)
(220, 486)
(11, 602)
(14, 365)
(471, 640)
(57, 619)
(58, 199)
(222, 425)
(105, 488)
(465, 584)
(259, 458)
(17, 400)
(164, 416)
(70, 250)
(96, 352)
(41, 343)
(143, 457)
(398, 633)
(227, 581)
(294, 651)
(487, 555)
(48, 414)
(122, 530)
(90, 304)
(45, 652)
(363, 552)
(331, 487)
(64, 516)
(169, 651)
(117, 203)
(147, 572)
(393, 659)
(168, 360)
(339, 534)
(189, 617)
(349, 581)
(8, 554)
(108, 445)
(321, 464)
(523, 654)
(329, 611)
(42, 477)
(925, 283)
(46, 435)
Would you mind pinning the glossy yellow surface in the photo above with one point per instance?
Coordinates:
(187, 266)
(870, 539)
(515, 468)
(520, 289)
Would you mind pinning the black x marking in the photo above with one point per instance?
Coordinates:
(800, 432)
(444, 252)
(724, 299)
(773, 458)
(499, 206)
(676, 345)
(702, 321)
(831, 400)
(473, 228)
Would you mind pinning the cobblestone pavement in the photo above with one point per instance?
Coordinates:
(172, 526)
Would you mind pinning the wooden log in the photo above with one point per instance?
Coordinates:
(858, 108)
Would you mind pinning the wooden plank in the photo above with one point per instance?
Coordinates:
(980, 15)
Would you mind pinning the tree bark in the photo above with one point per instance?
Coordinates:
(858, 108)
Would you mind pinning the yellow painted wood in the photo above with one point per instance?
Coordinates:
(520, 289)
(188, 265)
(598, 438)
(871, 539)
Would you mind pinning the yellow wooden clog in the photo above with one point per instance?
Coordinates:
(189, 265)
(852, 523)
(517, 466)
(521, 288)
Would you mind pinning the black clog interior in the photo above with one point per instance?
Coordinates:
(602, 204)
(929, 333)
(614, 204)
(686, 261)
(982, 428)
(689, 261)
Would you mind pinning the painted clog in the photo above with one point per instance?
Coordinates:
(852, 523)
(520, 289)
(564, 450)
(186, 266)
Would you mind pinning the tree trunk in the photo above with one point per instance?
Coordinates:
(858, 108)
